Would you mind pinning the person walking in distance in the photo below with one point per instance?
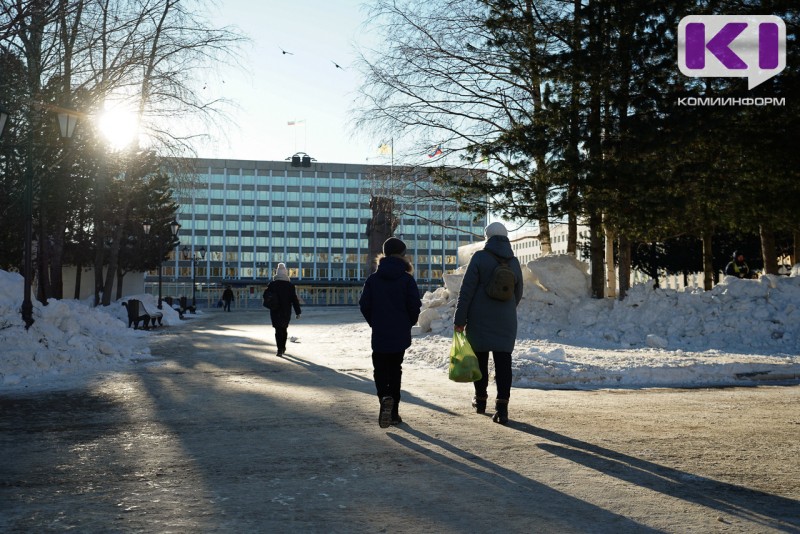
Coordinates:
(391, 305)
(285, 296)
(227, 297)
(489, 315)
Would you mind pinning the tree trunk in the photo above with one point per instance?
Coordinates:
(78, 275)
(56, 262)
(44, 290)
(98, 269)
(596, 247)
(768, 252)
(113, 261)
(654, 265)
(708, 260)
(544, 236)
(573, 153)
(795, 259)
(611, 272)
(572, 233)
(120, 277)
(624, 266)
(596, 169)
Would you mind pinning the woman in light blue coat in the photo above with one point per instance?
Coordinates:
(490, 324)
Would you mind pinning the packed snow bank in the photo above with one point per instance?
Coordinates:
(68, 337)
(737, 315)
(743, 332)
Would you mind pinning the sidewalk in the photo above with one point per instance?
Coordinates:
(222, 436)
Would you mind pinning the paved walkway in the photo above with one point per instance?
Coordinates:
(223, 436)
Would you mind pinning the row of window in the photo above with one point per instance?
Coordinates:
(218, 227)
(307, 207)
(305, 273)
(262, 258)
(322, 223)
(288, 179)
(265, 242)
(321, 180)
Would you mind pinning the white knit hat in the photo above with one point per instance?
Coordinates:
(496, 228)
(281, 270)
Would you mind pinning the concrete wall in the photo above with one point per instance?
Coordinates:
(132, 284)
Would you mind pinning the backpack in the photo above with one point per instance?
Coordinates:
(501, 284)
(271, 301)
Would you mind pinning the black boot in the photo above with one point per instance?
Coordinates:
(501, 411)
(385, 414)
(479, 403)
(396, 419)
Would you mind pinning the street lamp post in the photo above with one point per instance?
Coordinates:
(67, 120)
(174, 226)
(186, 255)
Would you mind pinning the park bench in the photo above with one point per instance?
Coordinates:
(185, 306)
(137, 312)
(182, 306)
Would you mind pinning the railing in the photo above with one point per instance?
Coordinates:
(251, 297)
(671, 281)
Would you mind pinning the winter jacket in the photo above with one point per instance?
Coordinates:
(741, 270)
(390, 303)
(491, 325)
(287, 298)
(227, 295)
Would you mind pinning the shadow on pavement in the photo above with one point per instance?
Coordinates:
(552, 510)
(758, 507)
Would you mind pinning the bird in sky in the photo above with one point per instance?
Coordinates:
(336, 65)
(285, 52)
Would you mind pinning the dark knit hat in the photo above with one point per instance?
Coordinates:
(393, 246)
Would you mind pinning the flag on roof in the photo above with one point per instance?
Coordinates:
(435, 152)
(385, 148)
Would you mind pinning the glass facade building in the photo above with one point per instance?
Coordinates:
(251, 215)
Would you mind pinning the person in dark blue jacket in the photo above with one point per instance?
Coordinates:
(390, 303)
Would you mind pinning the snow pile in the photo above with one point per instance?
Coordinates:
(739, 315)
(67, 337)
(741, 332)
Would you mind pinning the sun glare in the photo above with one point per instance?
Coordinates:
(119, 126)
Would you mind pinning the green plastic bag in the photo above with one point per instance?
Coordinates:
(463, 362)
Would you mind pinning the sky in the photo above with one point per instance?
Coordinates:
(303, 85)
(742, 333)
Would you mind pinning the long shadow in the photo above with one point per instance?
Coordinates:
(365, 384)
(758, 507)
(248, 422)
(543, 502)
(268, 362)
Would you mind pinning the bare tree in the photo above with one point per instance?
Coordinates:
(147, 56)
(442, 77)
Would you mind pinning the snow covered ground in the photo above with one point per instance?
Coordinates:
(742, 332)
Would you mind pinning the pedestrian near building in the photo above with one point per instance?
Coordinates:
(280, 315)
(227, 298)
(490, 324)
(391, 305)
